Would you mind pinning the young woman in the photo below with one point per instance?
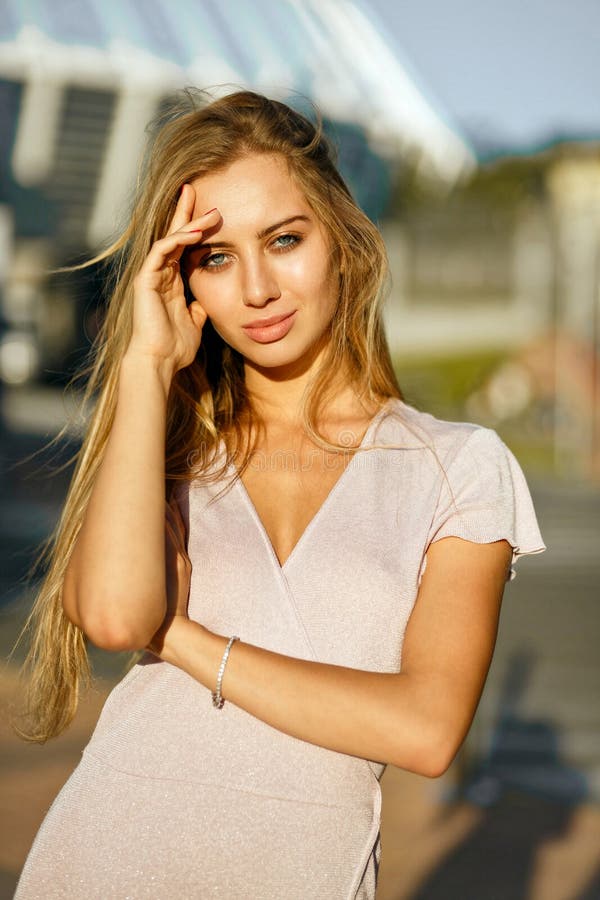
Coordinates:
(312, 567)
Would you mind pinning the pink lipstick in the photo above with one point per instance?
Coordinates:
(270, 329)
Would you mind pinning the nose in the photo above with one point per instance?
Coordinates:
(259, 284)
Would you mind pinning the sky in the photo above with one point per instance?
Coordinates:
(512, 73)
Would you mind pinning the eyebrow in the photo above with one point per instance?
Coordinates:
(259, 234)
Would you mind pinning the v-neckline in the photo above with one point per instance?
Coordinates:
(281, 567)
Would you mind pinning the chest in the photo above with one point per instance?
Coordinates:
(345, 591)
(288, 488)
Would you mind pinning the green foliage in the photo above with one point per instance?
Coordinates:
(441, 384)
(500, 185)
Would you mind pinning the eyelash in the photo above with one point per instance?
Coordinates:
(296, 239)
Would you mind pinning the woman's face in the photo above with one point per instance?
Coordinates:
(267, 258)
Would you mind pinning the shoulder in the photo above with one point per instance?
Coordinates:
(403, 426)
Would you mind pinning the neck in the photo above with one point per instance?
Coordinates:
(278, 400)
(277, 393)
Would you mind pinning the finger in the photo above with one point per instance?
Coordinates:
(170, 248)
(184, 210)
(198, 313)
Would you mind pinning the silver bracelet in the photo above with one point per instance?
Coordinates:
(217, 700)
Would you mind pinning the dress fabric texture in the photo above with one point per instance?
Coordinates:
(173, 798)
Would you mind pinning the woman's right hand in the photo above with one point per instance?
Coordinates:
(164, 326)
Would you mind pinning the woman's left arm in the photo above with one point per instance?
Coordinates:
(416, 719)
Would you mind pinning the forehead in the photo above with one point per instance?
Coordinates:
(260, 184)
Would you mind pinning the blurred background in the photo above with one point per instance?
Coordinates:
(470, 132)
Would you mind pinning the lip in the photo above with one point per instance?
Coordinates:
(270, 329)
(270, 320)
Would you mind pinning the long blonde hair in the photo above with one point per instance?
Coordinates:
(195, 137)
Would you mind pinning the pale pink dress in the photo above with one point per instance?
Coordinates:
(176, 799)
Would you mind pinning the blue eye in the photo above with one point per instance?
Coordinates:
(214, 261)
(281, 243)
(291, 241)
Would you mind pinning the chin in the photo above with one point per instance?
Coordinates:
(272, 358)
(278, 356)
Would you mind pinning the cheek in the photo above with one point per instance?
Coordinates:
(212, 297)
(313, 278)
(330, 289)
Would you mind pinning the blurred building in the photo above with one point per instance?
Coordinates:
(502, 257)
(509, 262)
(78, 85)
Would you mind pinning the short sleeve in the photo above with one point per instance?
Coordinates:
(485, 498)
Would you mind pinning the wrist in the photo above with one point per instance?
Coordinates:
(172, 638)
(185, 643)
(135, 362)
(194, 649)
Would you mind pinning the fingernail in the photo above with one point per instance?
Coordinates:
(210, 210)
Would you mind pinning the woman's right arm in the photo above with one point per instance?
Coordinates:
(114, 587)
(115, 582)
